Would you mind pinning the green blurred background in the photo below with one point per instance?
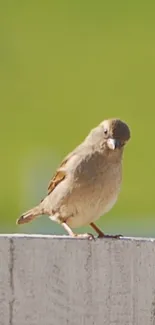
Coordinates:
(64, 67)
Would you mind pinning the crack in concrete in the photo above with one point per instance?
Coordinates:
(11, 269)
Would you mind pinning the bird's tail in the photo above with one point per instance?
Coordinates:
(29, 215)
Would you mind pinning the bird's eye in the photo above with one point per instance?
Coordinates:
(105, 131)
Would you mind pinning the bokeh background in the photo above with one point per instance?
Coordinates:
(64, 67)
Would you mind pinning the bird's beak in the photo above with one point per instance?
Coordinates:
(113, 143)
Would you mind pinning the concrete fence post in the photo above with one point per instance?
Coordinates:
(51, 280)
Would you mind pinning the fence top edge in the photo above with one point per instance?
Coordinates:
(65, 237)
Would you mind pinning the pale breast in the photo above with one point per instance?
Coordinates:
(96, 200)
(90, 189)
(90, 213)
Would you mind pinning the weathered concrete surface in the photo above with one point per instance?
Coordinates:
(46, 280)
(5, 281)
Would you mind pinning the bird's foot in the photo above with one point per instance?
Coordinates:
(109, 236)
(85, 236)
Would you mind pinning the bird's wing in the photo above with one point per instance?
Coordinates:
(57, 178)
(60, 173)
(86, 169)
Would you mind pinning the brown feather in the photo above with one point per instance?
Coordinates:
(60, 174)
(58, 177)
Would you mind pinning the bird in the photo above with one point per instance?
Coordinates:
(87, 183)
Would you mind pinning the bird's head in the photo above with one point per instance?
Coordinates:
(116, 133)
(110, 134)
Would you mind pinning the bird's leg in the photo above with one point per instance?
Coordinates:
(101, 234)
(68, 229)
(72, 234)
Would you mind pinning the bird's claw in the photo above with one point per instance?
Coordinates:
(110, 236)
(85, 236)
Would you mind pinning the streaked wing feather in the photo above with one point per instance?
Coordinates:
(57, 178)
(61, 174)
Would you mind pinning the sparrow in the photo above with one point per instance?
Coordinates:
(87, 183)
